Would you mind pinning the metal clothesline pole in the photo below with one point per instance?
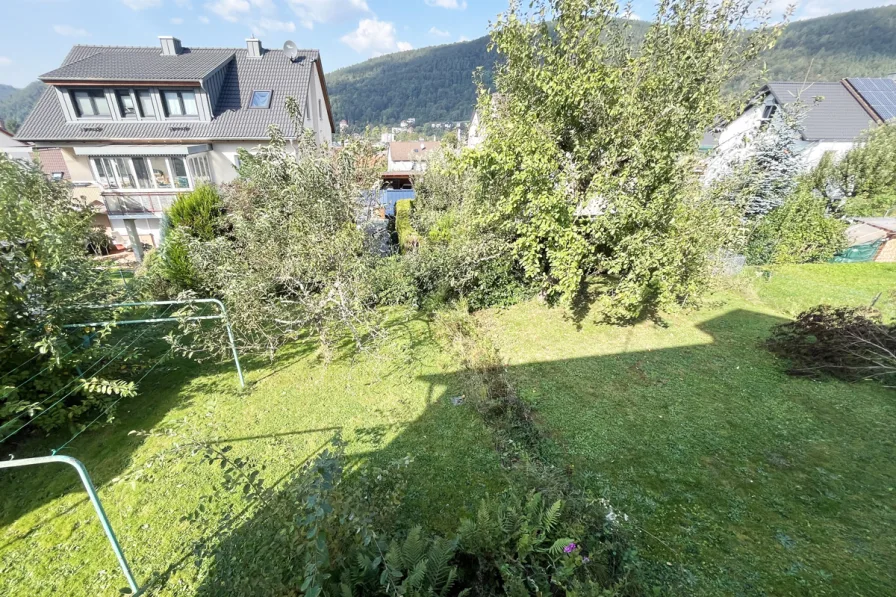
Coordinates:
(94, 499)
(222, 316)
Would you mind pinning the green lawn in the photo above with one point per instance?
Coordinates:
(738, 479)
(386, 404)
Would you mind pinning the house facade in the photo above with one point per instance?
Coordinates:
(142, 124)
(13, 148)
(406, 158)
(836, 116)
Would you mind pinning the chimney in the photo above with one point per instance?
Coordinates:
(170, 45)
(254, 47)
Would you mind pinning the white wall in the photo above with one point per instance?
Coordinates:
(734, 143)
(320, 118)
(145, 226)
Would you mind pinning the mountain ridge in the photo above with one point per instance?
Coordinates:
(436, 83)
(859, 43)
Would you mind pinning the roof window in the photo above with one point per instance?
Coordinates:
(261, 99)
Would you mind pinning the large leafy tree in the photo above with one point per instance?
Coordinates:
(586, 160)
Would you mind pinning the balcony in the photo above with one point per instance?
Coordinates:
(120, 204)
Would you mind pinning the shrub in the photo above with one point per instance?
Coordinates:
(850, 343)
(199, 212)
(800, 231)
(407, 236)
(863, 182)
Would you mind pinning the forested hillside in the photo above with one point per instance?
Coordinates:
(15, 104)
(429, 84)
(436, 83)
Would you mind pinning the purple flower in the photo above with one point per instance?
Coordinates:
(569, 548)
(586, 559)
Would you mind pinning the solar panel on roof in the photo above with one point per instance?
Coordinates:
(879, 93)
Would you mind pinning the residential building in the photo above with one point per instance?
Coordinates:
(13, 148)
(405, 158)
(836, 116)
(142, 124)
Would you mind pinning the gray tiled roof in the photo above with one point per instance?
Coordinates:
(120, 63)
(232, 119)
(837, 117)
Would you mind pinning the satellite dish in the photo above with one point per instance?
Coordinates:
(290, 49)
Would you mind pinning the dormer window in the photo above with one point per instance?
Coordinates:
(91, 103)
(261, 99)
(180, 103)
(768, 111)
(126, 104)
(146, 108)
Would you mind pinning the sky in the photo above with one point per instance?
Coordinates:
(37, 34)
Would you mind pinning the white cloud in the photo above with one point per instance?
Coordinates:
(141, 4)
(463, 38)
(265, 25)
(236, 10)
(438, 32)
(374, 37)
(5, 61)
(632, 17)
(327, 11)
(451, 4)
(204, 20)
(70, 31)
(177, 21)
(184, 4)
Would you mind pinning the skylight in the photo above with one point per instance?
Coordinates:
(261, 99)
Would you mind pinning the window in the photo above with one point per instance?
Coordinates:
(56, 176)
(199, 168)
(141, 169)
(261, 99)
(126, 105)
(91, 103)
(179, 169)
(180, 103)
(320, 109)
(104, 174)
(148, 173)
(160, 172)
(146, 108)
(769, 111)
(122, 169)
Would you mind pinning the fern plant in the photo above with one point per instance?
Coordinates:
(517, 544)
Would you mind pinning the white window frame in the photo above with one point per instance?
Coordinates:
(93, 101)
(116, 175)
(180, 100)
(198, 163)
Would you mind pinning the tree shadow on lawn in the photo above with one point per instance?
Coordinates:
(106, 449)
(738, 479)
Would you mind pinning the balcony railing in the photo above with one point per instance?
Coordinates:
(121, 204)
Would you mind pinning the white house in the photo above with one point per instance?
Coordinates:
(836, 116)
(143, 124)
(410, 156)
(13, 148)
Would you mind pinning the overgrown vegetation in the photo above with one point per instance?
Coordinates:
(863, 182)
(49, 374)
(585, 165)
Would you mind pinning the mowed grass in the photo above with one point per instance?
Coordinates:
(737, 478)
(386, 404)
